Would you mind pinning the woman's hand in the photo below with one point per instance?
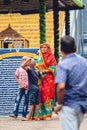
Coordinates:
(46, 70)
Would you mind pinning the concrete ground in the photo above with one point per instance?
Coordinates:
(7, 123)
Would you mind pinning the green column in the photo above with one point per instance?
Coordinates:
(42, 14)
(67, 22)
(56, 29)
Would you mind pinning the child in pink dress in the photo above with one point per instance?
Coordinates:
(22, 79)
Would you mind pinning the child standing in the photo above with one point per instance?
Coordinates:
(22, 79)
(33, 76)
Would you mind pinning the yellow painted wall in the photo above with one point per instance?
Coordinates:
(28, 26)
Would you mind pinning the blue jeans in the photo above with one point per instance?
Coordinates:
(70, 118)
(22, 92)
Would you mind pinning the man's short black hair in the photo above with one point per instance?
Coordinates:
(68, 44)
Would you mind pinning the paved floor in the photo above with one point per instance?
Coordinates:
(7, 123)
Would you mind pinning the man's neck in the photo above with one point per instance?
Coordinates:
(64, 54)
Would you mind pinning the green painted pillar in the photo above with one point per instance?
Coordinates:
(56, 29)
(67, 22)
(42, 14)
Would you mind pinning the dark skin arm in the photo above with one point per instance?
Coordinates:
(60, 96)
(26, 62)
(60, 92)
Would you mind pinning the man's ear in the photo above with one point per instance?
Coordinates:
(60, 48)
(61, 51)
(75, 49)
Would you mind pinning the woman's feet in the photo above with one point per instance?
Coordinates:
(26, 119)
(29, 119)
(37, 119)
(47, 118)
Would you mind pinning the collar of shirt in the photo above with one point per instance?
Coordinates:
(70, 55)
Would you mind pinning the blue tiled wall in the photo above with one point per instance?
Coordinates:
(8, 84)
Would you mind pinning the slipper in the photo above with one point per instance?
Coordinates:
(13, 116)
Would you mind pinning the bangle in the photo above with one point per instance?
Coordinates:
(58, 105)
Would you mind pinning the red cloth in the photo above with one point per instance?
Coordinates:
(47, 85)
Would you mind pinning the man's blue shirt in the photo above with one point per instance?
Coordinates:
(72, 70)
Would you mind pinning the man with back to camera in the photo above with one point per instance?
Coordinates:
(71, 82)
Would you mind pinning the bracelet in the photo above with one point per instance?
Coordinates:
(58, 105)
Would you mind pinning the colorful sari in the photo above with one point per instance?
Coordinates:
(46, 61)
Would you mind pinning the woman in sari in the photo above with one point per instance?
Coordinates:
(46, 64)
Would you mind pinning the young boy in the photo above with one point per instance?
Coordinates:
(22, 79)
(33, 76)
